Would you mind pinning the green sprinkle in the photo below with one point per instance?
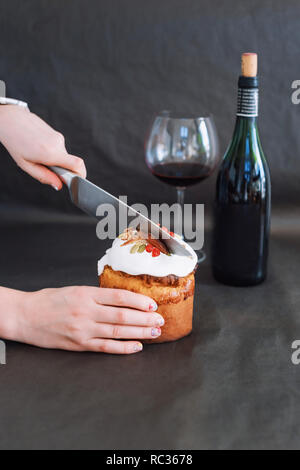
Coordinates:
(134, 249)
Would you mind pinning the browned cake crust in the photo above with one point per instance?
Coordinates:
(173, 295)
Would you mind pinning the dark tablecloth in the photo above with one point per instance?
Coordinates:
(231, 384)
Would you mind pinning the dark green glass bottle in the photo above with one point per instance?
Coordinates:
(243, 199)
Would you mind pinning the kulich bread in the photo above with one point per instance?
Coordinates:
(174, 298)
(137, 263)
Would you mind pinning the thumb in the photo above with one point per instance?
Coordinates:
(42, 174)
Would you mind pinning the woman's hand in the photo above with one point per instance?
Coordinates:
(80, 319)
(33, 144)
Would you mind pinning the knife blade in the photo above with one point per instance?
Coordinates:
(88, 197)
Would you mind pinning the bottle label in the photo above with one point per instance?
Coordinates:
(247, 102)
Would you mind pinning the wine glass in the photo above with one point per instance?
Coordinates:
(182, 151)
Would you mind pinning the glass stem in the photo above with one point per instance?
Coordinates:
(180, 200)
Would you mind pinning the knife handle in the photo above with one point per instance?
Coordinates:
(65, 175)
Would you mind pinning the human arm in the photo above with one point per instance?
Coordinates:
(34, 145)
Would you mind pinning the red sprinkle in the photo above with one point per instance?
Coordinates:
(171, 233)
(155, 252)
(149, 248)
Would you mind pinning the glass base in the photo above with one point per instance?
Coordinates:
(201, 256)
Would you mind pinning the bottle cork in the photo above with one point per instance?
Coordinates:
(249, 64)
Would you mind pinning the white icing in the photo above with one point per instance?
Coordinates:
(119, 258)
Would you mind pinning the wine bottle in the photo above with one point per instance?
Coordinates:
(243, 195)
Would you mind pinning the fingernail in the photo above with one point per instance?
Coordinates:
(153, 306)
(54, 187)
(160, 321)
(155, 331)
(138, 347)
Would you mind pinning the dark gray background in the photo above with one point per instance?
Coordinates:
(98, 71)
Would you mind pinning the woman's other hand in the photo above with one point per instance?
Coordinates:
(34, 145)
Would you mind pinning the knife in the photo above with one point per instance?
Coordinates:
(87, 196)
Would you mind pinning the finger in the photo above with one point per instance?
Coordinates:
(42, 174)
(105, 330)
(127, 316)
(125, 298)
(111, 346)
(70, 162)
